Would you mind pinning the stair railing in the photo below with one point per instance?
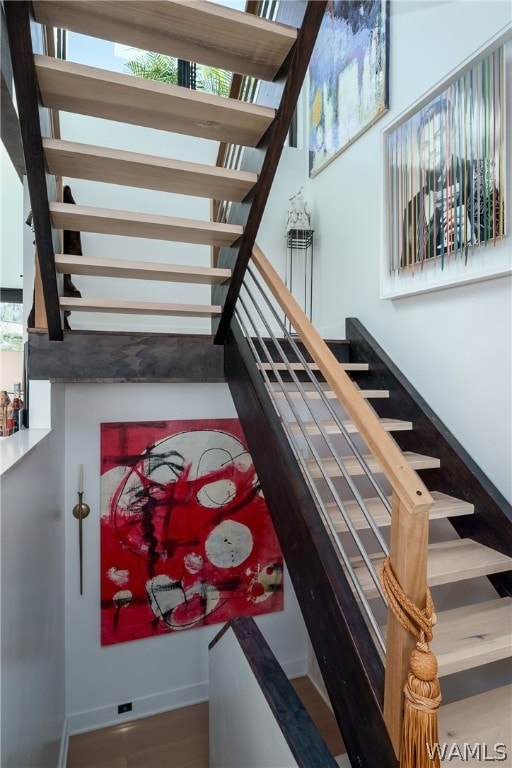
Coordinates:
(281, 94)
(411, 500)
(250, 329)
(246, 683)
(243, 88)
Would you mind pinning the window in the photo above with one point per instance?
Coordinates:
(11, 326)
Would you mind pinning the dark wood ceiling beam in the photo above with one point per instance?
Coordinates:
(103, 356)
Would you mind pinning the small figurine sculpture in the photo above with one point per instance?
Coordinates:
(5, 401)
(13, 411)
(299, 216)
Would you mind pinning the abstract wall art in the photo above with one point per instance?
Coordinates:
(186, 536)
(445, 173)
(348, 77)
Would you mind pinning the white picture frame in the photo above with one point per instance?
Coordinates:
(480, 261)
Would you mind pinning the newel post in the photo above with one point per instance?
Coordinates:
(408, 553)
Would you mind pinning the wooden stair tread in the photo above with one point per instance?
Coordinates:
(200, 31)
(134, 169)
(138, 307)
(484, 718)
(473, 635)
(313, 394)
(88, 90)
(416, 460)
(140, 270)
(373, 393)
(133, 224)
(443, 506)
(448, 561)
(330, 426)
(312, 366)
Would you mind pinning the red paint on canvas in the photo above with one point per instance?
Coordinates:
(186, 536)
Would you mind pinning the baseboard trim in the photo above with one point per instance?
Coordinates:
(102, 717)
(295, 668)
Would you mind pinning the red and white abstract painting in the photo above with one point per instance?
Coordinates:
(186, 536)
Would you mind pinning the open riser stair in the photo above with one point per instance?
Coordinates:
(272, 52)
(331, 499)
(472, 636)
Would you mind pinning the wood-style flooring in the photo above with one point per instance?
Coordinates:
(177, 739)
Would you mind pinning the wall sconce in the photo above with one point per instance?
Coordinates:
(80, 512)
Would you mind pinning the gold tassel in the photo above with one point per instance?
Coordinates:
(422, 689)
(422, 699)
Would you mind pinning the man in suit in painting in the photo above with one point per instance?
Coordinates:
(457, 205)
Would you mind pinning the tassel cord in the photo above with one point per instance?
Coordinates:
(421, 690)
(419, 622)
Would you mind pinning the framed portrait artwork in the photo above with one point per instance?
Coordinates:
(186, 536)
(348, 77)
(445, 181)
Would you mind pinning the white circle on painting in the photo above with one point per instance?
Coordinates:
(216, 494)
(229, 544)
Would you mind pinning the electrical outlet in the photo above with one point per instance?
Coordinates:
(122, 708)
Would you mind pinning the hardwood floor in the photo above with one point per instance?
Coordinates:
(320, 713)
(177, 739)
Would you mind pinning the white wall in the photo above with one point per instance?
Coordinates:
(243, 728)
(32, 602)
(11, 224)
(448, 343)
(136, 139)
(454, 345)
(11, 369)
(165, 671)
(133, 138)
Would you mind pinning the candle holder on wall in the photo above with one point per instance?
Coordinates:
(80, 512)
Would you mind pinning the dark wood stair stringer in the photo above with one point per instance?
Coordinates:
(352, 670)
(35, 121)
(459, 475)
(299, 731)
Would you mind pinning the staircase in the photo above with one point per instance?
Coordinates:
(300, 437)
(274, 53)
(469, 552)
(472, 632)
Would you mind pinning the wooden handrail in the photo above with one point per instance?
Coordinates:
(404, 480)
